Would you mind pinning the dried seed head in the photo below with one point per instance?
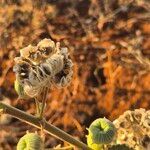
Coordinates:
(46, 47)
(44, 65)
(27, 51)
(132, 127)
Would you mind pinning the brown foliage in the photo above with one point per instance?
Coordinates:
(109, 45)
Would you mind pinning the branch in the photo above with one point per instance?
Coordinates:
(49, 128)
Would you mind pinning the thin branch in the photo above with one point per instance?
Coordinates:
(36, 122)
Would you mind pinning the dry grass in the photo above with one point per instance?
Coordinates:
(109, 45)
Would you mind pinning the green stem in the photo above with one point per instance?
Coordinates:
(49, 128)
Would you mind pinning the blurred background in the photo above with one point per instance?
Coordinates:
(109, 43)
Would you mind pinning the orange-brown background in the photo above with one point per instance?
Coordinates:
(107, 80)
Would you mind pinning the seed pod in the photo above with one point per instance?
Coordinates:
(44, 65)
(101, 131)
(30, 141)
(20, 90)
(93, 145)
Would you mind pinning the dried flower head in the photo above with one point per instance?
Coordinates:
(44, 65)
(134, 129)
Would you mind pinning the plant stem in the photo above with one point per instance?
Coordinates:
(61, 148)
(45, 91)
(37, 107)
(49, 128)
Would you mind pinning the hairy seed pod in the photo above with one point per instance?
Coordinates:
(27, 51)
(30, 141)
(120, 147)
(31, 91)
(101, 131)
(56, 62)
(46, 47)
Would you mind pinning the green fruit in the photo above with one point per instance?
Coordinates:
(101, 132)
(93, 145)
(30, 141)
(20, 90)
